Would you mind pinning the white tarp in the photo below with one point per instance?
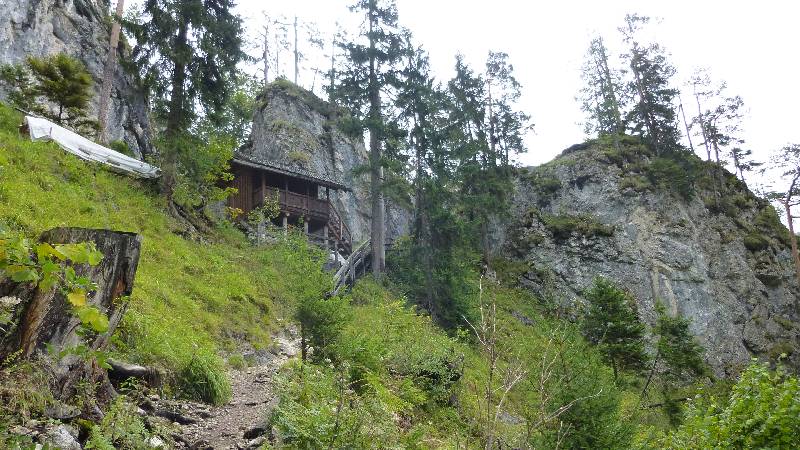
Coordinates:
(84, 148)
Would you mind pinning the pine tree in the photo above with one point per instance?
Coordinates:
(653, 116)
(612, 323)
(371, 67)
(678, 355)
(186, 53)
(484, 131)
(787, 162)
(432, 265)
(64, 82)
(600, 96)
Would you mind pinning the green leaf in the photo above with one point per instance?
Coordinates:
(77, 253)
(92, 318)
(45, 251)
(22, 274)
(94, 256)
(50, 272)
(77, 298)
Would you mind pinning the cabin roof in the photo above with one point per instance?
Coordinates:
(293, 170)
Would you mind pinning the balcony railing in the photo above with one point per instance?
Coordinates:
(310, 207)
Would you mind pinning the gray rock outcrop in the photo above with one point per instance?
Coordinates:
(724, 264)
(294, 129)
(79, 28)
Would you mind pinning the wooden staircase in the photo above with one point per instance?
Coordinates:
(354, 267)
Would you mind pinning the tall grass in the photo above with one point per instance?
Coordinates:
(191, 299)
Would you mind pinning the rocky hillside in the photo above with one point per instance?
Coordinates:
(79, 28)
(657, 227)
(295, 128)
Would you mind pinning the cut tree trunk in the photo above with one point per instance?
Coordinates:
(43, 321)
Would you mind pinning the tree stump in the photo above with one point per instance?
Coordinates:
(43, 320)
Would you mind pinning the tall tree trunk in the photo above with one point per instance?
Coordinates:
(296, 52)
(108, 72)
(176, 116)
(333, 70)
(377, 232)
(703, 126)
(787, 205)
(686, 124)
(610, 91)
(266, 54)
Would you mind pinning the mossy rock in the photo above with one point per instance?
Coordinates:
(755, 242)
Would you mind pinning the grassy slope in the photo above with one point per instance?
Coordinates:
(191, 299)
(194, 300)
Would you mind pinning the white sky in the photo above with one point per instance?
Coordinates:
(751, 45)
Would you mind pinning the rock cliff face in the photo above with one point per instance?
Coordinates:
(79, 28)
(723, 262)
(295, 129)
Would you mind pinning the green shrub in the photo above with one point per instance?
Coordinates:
(237, 362)
(755, 242)
(298, 157)
(768, 221)
(197, 168)
(673, 174)
(563, 226)
(761, 412)
(122, 427)
(544, 184)
(636, 182)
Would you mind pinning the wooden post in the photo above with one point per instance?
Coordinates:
(325, 235)
(108, 73)
(263, 188)
(285, 223)
(305, 224)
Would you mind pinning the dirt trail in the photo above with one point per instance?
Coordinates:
(240, 424)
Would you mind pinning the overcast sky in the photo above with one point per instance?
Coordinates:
(751, 45)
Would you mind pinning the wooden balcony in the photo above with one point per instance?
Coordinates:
(312, 209)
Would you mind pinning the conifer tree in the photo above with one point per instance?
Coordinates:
(186, 53)
(653, 115)
(507, 126)
(613, 324)
(63, 81)
(433, 266)
(600, 96)
(484, 131)
(678, 355)
(57, 87)
(371, 67)
(787, 162)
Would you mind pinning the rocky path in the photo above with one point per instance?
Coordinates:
(241, 423)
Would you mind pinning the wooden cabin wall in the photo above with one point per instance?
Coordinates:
(243, 182)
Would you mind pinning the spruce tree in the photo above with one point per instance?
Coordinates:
(186, 54)
(485, 130)
(432, 265)
(371, 68)
(653, 115)
(64, 82)
(612, 324)
(601, 94)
